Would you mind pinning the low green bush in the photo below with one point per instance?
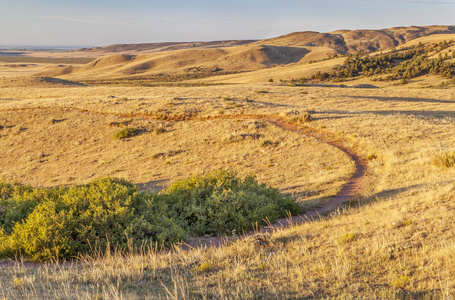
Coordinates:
(126, 133)
(64, 222)
(371, 156)
(347, 238)
(220, 202)
(67, 221)
(401, 282)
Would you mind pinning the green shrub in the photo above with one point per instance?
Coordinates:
(406, 222)
(444, 159)
(347, 238)
(221, 202)
(43, 235)
(203, 268)
(17, 202)
(64, 222)
(126, 133)
(401, 282)
(3, 242)
(77, 219)
(371, 156)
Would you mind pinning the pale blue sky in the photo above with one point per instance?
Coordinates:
(104, 22)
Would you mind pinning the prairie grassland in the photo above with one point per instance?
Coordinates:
(51, 147)
(395, 240)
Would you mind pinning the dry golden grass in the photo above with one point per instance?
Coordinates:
(50, 147)
(395, 240)
(403, 244)
(11, 71)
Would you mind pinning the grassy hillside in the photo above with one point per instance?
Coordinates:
(395, 238)
(181, 62)
(353, 41)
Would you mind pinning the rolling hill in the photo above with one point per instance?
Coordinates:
(160, 47)
(263, 60)
(351, 41)
(234, 59)
(341, 40)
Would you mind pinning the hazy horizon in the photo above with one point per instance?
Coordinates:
(52, 23)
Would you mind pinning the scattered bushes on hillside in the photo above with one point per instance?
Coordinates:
(64, 222)
(401, 65)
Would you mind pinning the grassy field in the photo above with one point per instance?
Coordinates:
(392, 240)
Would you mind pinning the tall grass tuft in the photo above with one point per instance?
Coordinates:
(444, 159)
(301, 119)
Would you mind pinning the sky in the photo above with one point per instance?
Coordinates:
(106, 22)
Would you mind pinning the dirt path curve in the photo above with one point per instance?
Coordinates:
(348, 192)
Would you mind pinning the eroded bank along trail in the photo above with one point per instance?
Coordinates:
(348, 192)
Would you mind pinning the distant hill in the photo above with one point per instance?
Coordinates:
(351, 41)
(344, 41)
(160, 47)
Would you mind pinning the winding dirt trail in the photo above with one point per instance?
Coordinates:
(353, 187)
(348, 192)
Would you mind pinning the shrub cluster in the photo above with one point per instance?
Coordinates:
(64, 222)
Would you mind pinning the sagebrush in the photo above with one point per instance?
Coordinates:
(65, 222)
